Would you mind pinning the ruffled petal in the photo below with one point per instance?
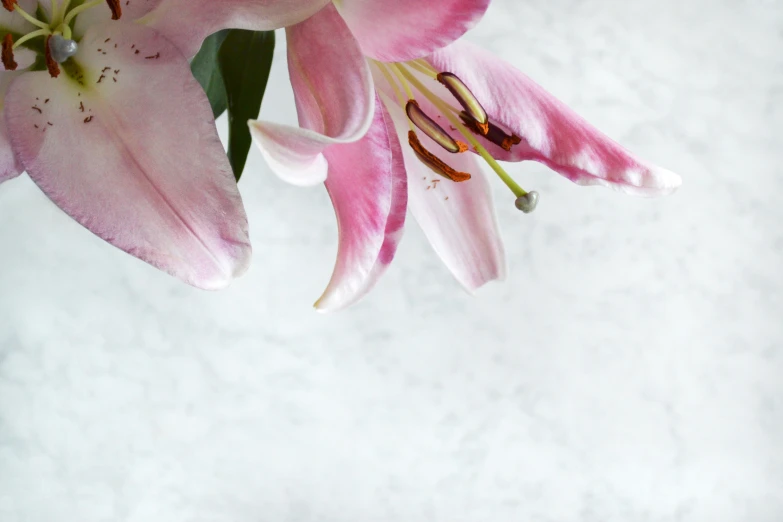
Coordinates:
(127, 146)
(188, 22)
(368, 187)
(551, 132)
(334, 96)
(400, 30)
(458, 218)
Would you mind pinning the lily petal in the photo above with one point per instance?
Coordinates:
(127, 147)
(11, 22)
(131, 10)
(551, 132)
(400, 30)
(368, 187)
(458, 218)
(9, 166)
(188, 22)
(334, 96)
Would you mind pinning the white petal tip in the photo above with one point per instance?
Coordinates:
(235, 266)
(301, 168)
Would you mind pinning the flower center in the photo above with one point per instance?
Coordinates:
(471, 122)
(56, 31)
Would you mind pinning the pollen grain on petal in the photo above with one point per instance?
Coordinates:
(8, 53)
(116, 9)
(436, 164)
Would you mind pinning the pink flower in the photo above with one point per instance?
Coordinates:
(106, 117)
(391, 67)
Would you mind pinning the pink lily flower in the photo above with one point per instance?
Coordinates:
(391, 67)
(100, 108)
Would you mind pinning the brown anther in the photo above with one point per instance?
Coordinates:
(465, 98)
(9, 4)
(433, 162)
(429, 127)
(116, 9)
(51, 64)
(8, 52)
(493, 133)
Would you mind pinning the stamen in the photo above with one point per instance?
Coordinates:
(51, 64)
(429, 127)
(9, 4)
(493, 133)
(466, 98)
(62, 48)
(445, 110)
(433, 162)
(8, 52)
(116, 9)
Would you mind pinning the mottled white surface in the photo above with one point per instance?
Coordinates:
(629, 370)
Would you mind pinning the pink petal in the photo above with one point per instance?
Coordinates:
(551, 133)
(334, 99)
(401, 30)
(138, 160)
(367, 184)
(188, 22)
(458, 218)
(131, 10)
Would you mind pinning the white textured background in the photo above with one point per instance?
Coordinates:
(628, 371)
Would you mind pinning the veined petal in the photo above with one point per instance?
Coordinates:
(124, 142)
(457, 218)
(334, 96)
(551, 133)
(188, 22)
(368, 187)
(400, 30)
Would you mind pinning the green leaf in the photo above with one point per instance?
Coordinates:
(245, 59)
(207, 71)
